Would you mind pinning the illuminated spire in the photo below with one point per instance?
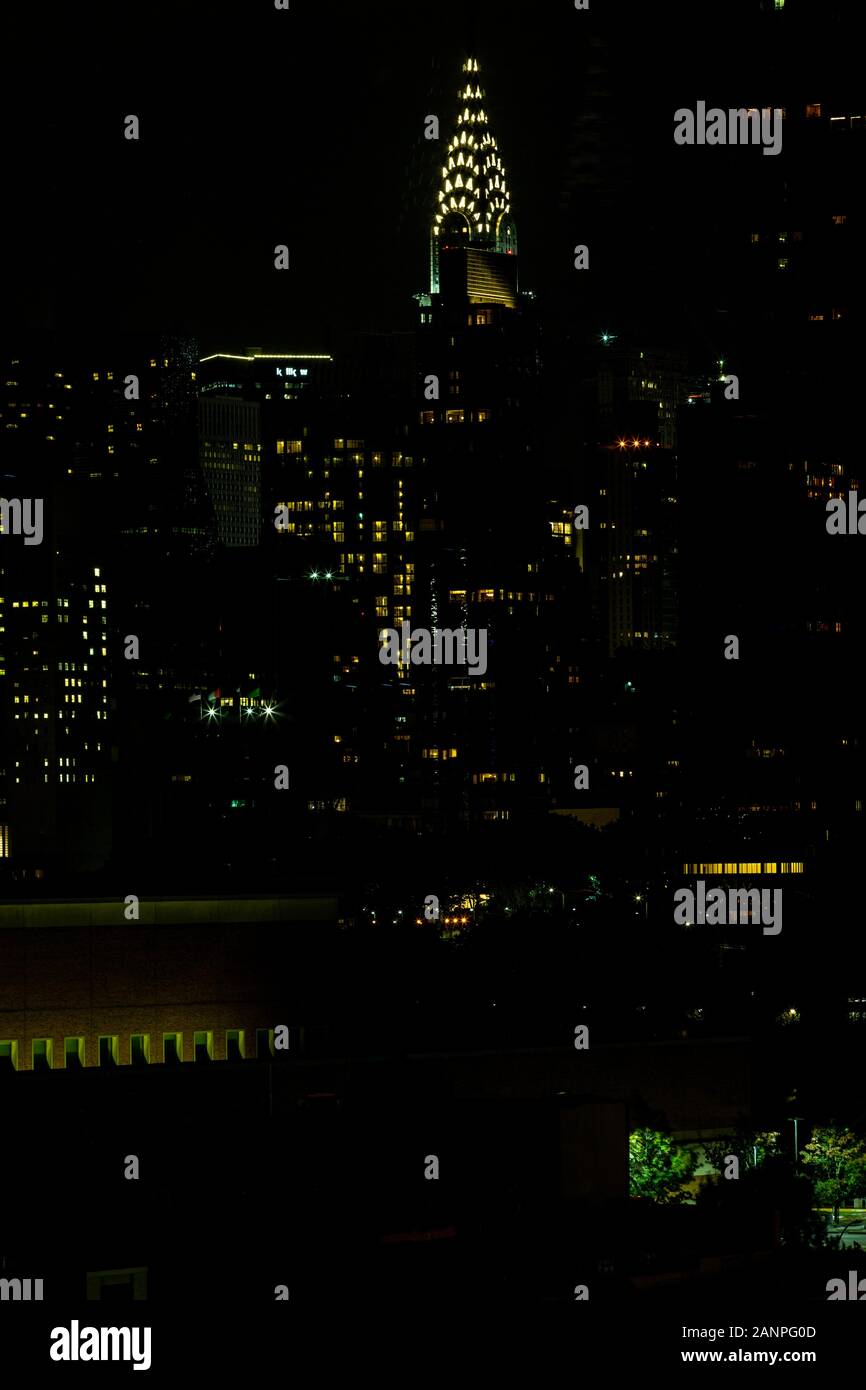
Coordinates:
(473, 202)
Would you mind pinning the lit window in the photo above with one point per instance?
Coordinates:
(73, 1053)
(139, 1049)
(108, 1050)
(172, 1048)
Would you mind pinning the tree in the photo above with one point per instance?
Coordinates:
(838, 1160)
(750, 1146)
(658, 1167)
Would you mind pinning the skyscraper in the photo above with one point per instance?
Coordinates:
(56, 682)
(229, 440)
(491, 529)
(473, 242)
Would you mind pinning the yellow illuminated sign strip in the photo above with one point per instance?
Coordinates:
(270, 356)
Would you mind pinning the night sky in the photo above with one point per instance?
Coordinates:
(260, 127)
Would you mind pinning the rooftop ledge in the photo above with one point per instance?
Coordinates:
(169, 911)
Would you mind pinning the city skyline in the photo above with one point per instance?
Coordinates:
(430, 633)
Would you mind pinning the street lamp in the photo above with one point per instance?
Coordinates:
(796, 1119)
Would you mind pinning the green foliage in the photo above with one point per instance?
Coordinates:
(837, 1159)
(658, 1167)
(750, 1146)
